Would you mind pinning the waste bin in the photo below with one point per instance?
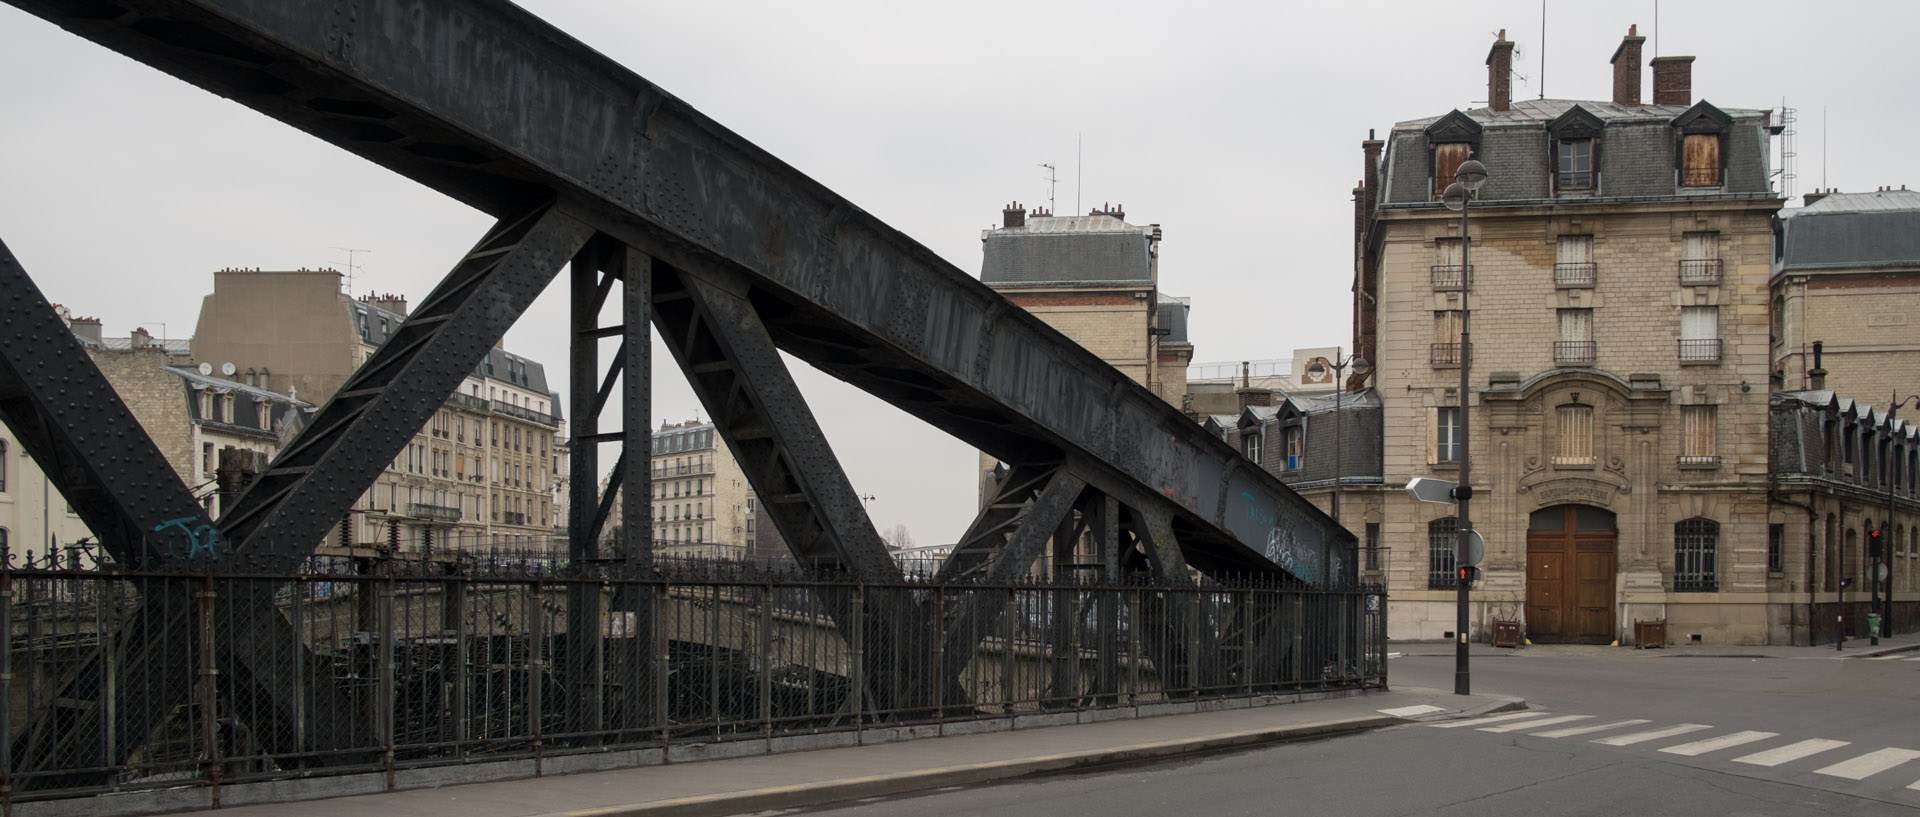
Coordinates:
(1873, 625)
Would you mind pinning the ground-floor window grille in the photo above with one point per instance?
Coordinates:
(1694, 543)
(1442, 537)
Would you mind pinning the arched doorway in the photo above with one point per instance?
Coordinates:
(1571, 554)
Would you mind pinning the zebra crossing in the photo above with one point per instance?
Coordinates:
(1830, 758)
(1898, 656)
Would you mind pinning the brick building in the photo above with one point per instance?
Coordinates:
(1847, 274)
(1618, 283)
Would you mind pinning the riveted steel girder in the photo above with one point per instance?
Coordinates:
(85, 439)
(485, 102)
(284, 514)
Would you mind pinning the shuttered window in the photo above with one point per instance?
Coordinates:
(1446, 338)
(1697, 435)
(1447, 157)
(1575, 436)
(1442, 537)
(1576, 345)
(1573, 261)
(1700, 160)
(1699, 334)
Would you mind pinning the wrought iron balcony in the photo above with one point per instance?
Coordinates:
(513, 518)
(1451, 276)
(1575, 274)
(1574, 352)
(1699, 271)
(1700, 350)
(1444, 354)
(437, 513)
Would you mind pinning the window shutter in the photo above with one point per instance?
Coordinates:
(1575, 249)
(1433, 436)
(1700, 246)
(1447, 157)
(1447, 252)
(1576, 324)
(1699, 322)
(1697, 428)
(1701, 165)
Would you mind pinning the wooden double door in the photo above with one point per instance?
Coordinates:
(1572, 551)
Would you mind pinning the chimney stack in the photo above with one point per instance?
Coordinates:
(1810, 198)
(1626, 69)
(1249, 394)
(1500, 74)
(1673, 80)
(1818, 376)
(1014, 216)
(88, 328)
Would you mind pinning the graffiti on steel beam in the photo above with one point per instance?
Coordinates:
(200, 540)
(1298, 550)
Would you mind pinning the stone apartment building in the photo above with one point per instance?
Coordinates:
(1096, 279)
(1618, 282)
(700, 497)
(484, 473)
(1847, 275)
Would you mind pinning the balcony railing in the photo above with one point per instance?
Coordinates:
(1451, 276)
(1575, 274)
(475, 403)
(1698, 460)
(682, 470)
(512, 410)
(1700, 350)
(1444, 354)
(1699, 271)
(1574, 352)
(513, 518)
(437, 513)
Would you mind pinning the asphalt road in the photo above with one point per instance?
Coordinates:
(1734, 736)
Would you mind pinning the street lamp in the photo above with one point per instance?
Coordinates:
(1886, 528)
(1459, 196)
(1317, 369)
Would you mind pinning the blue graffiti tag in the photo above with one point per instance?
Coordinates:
(200, 539)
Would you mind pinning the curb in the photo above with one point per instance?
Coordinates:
(853, 788)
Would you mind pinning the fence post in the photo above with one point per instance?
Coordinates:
(1248, 615)
(108, 650)
(661, 668)
(209, 672)
(1133, 650)
(1009, 622)
(859, 658)
(6, 686)
(296, 617)
(1299, 627)
(384, 697)
(536, 665)
(938, 680)
(455, 609)
(766, 661)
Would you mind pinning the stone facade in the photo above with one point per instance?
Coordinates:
(699, 495)
(1848, 276)
(1619, 319)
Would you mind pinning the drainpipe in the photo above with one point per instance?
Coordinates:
(1812, 520)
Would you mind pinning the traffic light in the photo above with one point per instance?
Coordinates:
(1469, 575)
(1873, 544)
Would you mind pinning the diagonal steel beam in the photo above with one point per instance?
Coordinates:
(82, 435)
(732, 365)
(281, 517)
(416, 85)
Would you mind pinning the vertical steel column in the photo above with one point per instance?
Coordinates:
(454, 612)
(6, 686)
(209, 686)
(1106, 536)
(583, 681)
(634, 599)
(383, 633)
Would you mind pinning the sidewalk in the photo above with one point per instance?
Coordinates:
(797, 779)
(1854, 648)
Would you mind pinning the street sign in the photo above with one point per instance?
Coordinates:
(1432, 490)
(1476, 549)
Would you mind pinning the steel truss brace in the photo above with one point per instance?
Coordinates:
(280, 519)
(731, 363)
(282, 516)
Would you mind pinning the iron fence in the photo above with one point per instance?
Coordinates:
(120, 681)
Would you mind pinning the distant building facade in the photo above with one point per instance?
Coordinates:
(1847, 275)
(701, 503)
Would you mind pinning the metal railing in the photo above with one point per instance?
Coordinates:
(1451, 276)
(1574, 352)
(1699, 271)
(1575, 274)
(1443, 354)
(513, 518)
(373, 667)
(1700, 350)
(512, 410)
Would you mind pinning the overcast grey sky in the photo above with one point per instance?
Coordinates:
(1236, 126)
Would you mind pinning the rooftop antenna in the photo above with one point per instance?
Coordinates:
(1823, 147)
(352, 268)
(1656, 28)
(1543, 49)
(1079, 171)
(1053, 178)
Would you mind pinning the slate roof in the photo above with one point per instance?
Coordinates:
(377, 325)
(1173, 318)
(1535, 112)
(1849, 230)
(1068, 250)
(245, 415)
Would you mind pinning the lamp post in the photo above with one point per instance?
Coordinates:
(1886, 528)
(1459, 196)
(1340, 364)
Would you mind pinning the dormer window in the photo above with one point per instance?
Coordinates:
(1451, 140)
(1700, 149)
(1573, 138)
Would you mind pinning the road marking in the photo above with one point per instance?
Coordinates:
(1910, 659)
(1410, 711)
(1487, 720)
(1893, 657)
(1869, 764)
(1791, 752)
(1642, 737)
(1701, 747)
(1515, 727)
(1583, 730)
